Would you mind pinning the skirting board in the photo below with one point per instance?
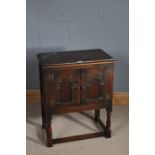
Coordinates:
(33, 96)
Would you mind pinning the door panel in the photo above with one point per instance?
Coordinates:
(63, 87)
(79, 86)
(92, 83)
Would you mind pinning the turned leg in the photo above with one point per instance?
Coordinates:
(108, 125)
(97, 114)
(49, 132)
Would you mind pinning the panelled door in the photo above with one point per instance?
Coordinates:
(63, 87)
(79, 86)
(92, 84)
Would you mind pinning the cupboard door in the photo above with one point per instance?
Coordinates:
(63, 87)
(94, 84)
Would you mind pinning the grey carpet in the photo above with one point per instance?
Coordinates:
(74, 124)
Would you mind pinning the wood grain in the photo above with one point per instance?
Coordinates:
(62, 89)
(33, 96)
(78, 137)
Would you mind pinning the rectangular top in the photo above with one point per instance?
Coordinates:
(73, 57)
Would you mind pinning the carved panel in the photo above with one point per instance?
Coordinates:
(51, 102)
(93, 84)
(50, 75)
(64, 86)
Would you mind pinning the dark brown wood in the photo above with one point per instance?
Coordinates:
(49, 134)
(86, 107)
(78, 137)
(71, 57)
(101, 124)
(92, 81)
(108, 124)
(97, 114)
(42, 99)
(64, 87)
(76, 81)
(48, 129)
(119, 98)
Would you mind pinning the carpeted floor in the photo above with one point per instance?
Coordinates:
(74, 124)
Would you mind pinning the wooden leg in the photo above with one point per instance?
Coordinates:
(42, 99)
(108, 125)
(43, 115)
(49, 132)
(97, 114)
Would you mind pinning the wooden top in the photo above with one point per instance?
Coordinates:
(73, 57)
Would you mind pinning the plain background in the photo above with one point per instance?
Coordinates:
(13, 77)
(55, 25)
